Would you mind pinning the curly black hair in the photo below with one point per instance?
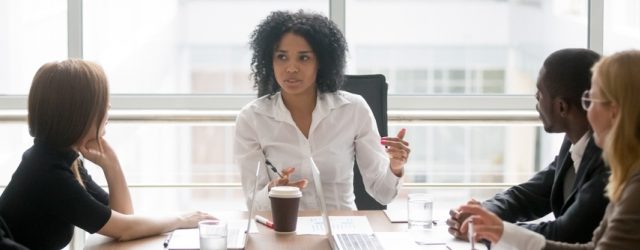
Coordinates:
(324, 37)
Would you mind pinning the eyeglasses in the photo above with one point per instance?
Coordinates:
(587, 100)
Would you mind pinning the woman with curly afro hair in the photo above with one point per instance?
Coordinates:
(298, 67)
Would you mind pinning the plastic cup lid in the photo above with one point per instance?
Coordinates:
(285, 192)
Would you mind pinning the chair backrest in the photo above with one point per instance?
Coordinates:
(373, 88)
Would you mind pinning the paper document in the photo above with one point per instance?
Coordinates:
(186, 239)
(464, 245)
(400, 240)
(339, 224)
(436, 236)
(439, 238)
(396, 215)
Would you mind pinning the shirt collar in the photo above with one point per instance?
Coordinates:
(327, 102)
(577, 150)
(273, 106)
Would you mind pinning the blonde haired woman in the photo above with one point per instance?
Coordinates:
(613, 108)
(51, 191)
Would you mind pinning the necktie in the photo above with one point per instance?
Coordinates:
(569, 177)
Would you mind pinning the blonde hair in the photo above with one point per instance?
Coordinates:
(75, 169)
(67, 98)
(619, 84)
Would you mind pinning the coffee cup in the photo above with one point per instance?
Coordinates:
(285, 201)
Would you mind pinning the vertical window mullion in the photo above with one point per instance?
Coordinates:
(596, 26)
(337, 14)
(74, 28)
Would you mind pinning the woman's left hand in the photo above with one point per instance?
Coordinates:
(398, 150)
(190, 220)
(104, 157)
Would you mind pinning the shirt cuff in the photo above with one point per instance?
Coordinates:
(515, 237)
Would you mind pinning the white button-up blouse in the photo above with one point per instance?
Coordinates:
(342, 127)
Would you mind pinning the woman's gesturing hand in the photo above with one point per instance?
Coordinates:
(284, 180)
(398, 150)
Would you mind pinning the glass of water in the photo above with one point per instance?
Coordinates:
(420, 211)
(213, 235)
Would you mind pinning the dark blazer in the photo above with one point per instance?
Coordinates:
(578, 216)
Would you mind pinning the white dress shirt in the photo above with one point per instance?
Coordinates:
(343, 128)
(577, 150)
(519, 238)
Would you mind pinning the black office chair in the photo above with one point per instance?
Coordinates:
(373, 88)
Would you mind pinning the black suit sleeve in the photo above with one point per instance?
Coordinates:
(582, 216)
(532, 200)
(526, 201)
(8, 244)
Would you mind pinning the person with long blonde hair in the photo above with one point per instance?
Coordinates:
(51, 191)
(613, 110)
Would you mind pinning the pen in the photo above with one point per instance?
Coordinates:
(264, 221)
(273, 168)
(166, 241)
(471, 232)
(425, 243)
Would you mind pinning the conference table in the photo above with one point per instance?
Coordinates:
(266, 238)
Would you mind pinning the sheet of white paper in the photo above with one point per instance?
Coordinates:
(396, 215)
(185, 239)
(463, 245)
(435, 236)
(339, 224)
(439, 238)
(397, 240)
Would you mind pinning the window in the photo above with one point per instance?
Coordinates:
(31, 33)
(179, 155)
(621, 25)
(450, 51)
(472, 47)
(178, 46)
(423, 48)
(15, 140)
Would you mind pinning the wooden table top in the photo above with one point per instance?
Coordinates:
(265, 239)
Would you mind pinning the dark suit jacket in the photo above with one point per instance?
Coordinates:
(578, 216)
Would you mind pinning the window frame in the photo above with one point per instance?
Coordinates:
(221, 107)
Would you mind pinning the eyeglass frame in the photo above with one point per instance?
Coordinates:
(586, 100)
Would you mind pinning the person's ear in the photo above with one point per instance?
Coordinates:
(615, 109)
(561, 106)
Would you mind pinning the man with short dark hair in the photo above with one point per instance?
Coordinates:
(572, 186)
